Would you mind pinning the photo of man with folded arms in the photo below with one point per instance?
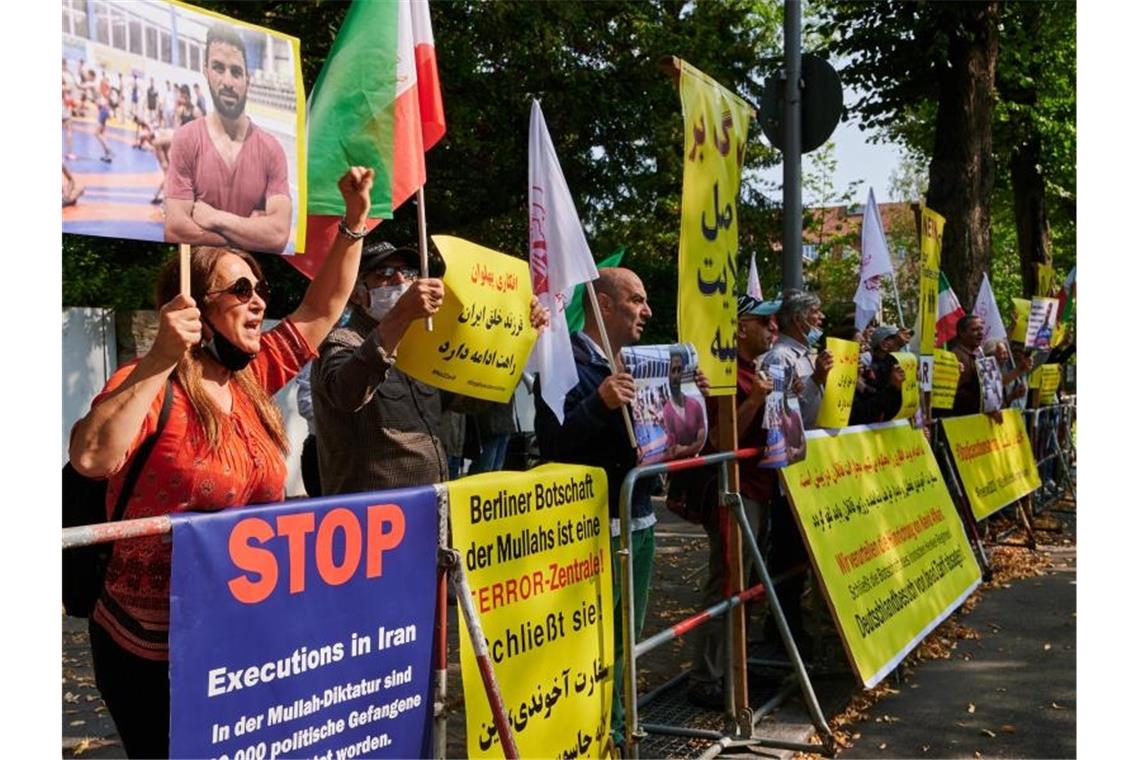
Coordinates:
(228, 181)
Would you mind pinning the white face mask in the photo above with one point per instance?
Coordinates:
(382, 299)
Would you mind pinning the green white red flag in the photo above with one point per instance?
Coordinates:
(1068, 296)
(376, 103)
(949, 312)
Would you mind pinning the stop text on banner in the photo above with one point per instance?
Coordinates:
(252, 671)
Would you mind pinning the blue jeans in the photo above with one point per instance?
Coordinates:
(492, 454)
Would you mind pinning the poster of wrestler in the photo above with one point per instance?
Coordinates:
(669, 417)
(181, 126)
(786, 442)
(989, 378)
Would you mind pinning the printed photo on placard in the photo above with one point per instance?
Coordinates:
(785, 425)
(989, 376)
(181, 125)
(669, 417)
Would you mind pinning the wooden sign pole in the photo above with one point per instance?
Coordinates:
(184, 269)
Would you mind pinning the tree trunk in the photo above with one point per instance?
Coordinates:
(1033, 241)
(962, 165)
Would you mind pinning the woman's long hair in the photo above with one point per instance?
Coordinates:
(203, 261)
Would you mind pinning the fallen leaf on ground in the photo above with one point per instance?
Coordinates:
(970, 708)
(1048, 647)
(987, 732)
(77, 723)
(1057, 706)
(883, 745)
(1009, 729)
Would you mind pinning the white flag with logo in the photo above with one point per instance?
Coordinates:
(986, 307)
(754, 280)
(875, 263)
(560, 259)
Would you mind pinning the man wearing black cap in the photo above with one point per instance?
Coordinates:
(884, 398)
(377, 428)
(755, 333)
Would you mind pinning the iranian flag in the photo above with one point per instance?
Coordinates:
(1068, 296)
(949, 312)
(376, 103)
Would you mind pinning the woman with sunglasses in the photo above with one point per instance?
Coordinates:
(222, 445)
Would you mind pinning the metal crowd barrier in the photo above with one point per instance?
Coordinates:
(448, 560)
(632, 649)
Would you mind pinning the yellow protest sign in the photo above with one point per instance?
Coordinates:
(1048, 378)
(945, 379)
(482, 334)
(839, 392)
(1059, 334)
(909, 363)
(884, 538)
(930, 243)
(1020, 320)
(1046, 280)
(536, 549)
(716, 130)
(993, 459)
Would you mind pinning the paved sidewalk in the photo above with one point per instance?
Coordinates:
(1010, 693)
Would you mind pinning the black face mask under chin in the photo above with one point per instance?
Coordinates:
(228, 355)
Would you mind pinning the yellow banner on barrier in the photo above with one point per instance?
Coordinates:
(716, 130)
(481, 335)
(946, 373)
(884, 539)
(993, 459)
(930, 243)
(909, 363)
(536, 549)
(839, 392)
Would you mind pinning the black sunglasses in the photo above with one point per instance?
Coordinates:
(243, 290)
(408, 273)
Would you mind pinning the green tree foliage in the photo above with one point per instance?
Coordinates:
(613, 113)
(900, 54)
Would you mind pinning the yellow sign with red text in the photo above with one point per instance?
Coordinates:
(884, 539)
(536, 550)
(993, 458)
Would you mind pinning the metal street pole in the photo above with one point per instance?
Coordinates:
(793, 210)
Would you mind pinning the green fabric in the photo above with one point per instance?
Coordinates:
(576, 311)
(641, 552)
(352, 109)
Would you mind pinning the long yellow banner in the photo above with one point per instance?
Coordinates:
(839, 393)
(716, 130)
(993, 458)
(536, 548)
(930, 243)
(481, 336)
(884, 539)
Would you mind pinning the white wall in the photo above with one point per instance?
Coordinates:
(88, 361)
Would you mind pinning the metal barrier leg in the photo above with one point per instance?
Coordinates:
(503, 729)
(736, 504)
(439, 700)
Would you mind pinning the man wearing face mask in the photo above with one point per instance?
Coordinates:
(376, 427)
(801, 325)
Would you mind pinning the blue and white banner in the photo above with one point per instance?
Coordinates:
(304, 629)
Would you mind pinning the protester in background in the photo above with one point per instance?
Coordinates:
(378, 428)
(593, 433)
(222, 447)
(454, 429)
(756, 331)
(491, 428)
(800, 321)
(968, 348)
(310, 469)
(884, 387)
(1014, 387)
